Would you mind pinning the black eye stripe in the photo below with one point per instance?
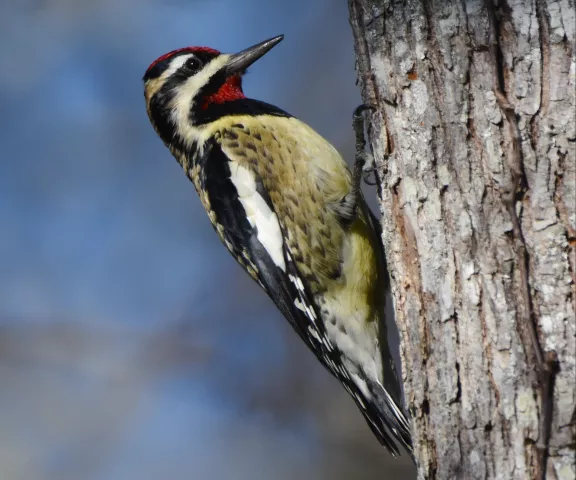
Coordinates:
(204, 57)
(193, 64)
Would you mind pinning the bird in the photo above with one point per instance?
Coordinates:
(291, 212)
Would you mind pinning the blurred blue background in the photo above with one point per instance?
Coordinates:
(131, 344)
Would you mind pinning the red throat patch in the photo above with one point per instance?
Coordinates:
(229, 91)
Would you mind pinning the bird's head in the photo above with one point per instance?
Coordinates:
(182, 85)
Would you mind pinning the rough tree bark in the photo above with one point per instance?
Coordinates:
(474, 137)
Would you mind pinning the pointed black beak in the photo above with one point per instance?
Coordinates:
(240, 61)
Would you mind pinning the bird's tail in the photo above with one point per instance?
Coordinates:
(388, 421)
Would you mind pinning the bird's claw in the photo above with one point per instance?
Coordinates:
(360, 109)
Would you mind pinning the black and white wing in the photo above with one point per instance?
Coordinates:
(244, 217)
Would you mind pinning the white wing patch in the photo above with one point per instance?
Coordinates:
(259, 213)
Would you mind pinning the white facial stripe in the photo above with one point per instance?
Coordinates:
(259, 213)
(186, 92)
(175, 65)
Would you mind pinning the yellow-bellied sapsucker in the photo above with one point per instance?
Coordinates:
(289, 210)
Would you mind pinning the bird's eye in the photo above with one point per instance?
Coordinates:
(193, 64)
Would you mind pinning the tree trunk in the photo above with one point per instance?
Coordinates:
(474, 139)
